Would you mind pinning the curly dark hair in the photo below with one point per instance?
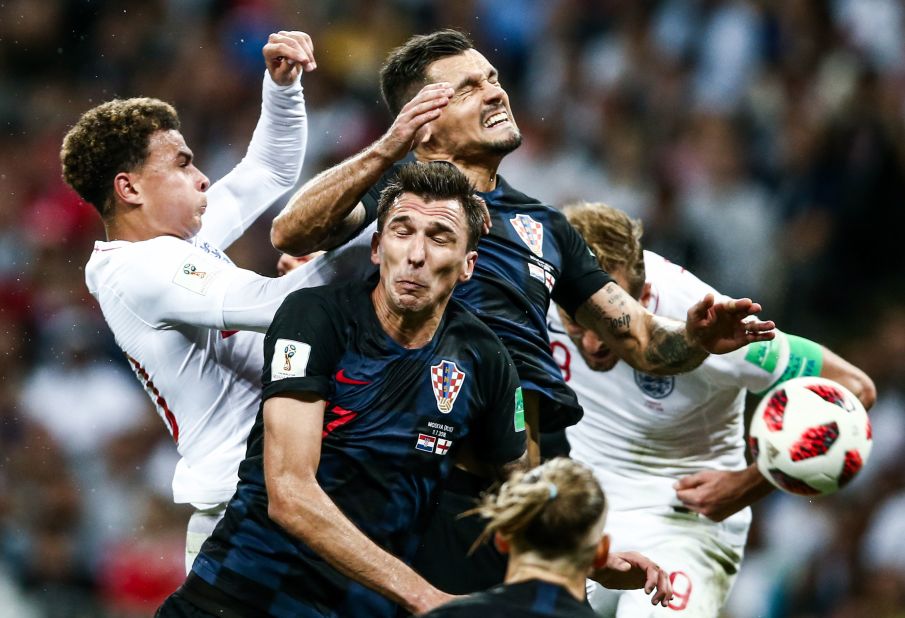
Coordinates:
(405, 69)
(433, 181)
(108, 139)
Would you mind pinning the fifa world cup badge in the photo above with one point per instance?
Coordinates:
(288, 353)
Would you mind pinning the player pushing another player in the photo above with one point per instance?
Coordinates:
(169, 293)
(670, 450)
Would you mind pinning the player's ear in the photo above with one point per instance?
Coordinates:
(375, 249)
(645, 294)
(468, 268)
(500, 542)
(423, 135)
(602, 552)
(125, 190)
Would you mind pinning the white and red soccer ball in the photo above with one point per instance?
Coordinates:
(810, 436)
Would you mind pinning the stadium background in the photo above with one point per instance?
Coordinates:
(762, 143)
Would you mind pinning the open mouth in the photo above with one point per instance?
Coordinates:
(496, 119)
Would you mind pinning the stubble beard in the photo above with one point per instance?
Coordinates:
(504, 146)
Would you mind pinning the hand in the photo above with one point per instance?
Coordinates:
(287, 262)
(630, 570)
(287, 54)
(410, 126)
(718, 494)
(485, 212)
(726, 326)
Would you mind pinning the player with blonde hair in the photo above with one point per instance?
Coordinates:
(670, 449)
(550, 521)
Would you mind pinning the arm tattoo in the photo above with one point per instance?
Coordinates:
(668, 351)
(620, 324)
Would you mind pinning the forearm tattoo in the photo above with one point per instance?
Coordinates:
(620, 325)
(668, 351)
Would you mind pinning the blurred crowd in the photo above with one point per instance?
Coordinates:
(761, 142)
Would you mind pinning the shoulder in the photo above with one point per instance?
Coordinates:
(511, 195)
(674, 288)
(137, 265)
(337, 298)
(462, 321)
(465, 607)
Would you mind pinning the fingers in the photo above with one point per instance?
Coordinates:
(662, 590)
(426, 105)
(759, 330)
(485, 213)
(412, 123)
(700, 309)
(286, 53)
(687, 482)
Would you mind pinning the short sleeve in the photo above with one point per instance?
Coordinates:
(302, 346)
(499, 432)
(581, 275)
(372, 196)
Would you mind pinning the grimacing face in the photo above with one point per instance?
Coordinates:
(595, 352)
(170, 188)
(478, 120)
(422, 253)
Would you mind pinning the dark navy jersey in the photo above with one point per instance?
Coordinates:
(531, 255)
(393, 420)
(529, 599)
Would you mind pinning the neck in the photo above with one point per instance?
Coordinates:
(525, 568)
(128, 227)
(481, 173)
(410, 329)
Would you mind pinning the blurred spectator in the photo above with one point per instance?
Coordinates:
(762, 143)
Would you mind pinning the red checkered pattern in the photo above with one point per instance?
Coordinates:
(531, 232)
(446, 380)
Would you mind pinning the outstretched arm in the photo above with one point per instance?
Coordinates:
(292, 446)
(658, 345)
(630, 570)
(326, 210)
(718, 494)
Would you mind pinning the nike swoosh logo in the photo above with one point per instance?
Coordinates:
(342, 379)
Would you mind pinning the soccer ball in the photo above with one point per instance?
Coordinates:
(810, 436)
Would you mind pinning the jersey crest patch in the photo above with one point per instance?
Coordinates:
(446, 380)
(290, 359)
(531, 232)
(657, 387)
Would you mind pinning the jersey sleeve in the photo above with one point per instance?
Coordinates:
(499, 434)
(171, 282)
(302, 346)
(271, 166)
(581, 275)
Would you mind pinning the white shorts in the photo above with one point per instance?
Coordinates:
(701, 566)
(201, 526)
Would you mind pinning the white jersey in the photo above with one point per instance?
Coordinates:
(174, 306)
(640, 433)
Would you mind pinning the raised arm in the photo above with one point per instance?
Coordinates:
(273, 162)
(292, 445)
(660, 346)
(327, 209)
(718, 494)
